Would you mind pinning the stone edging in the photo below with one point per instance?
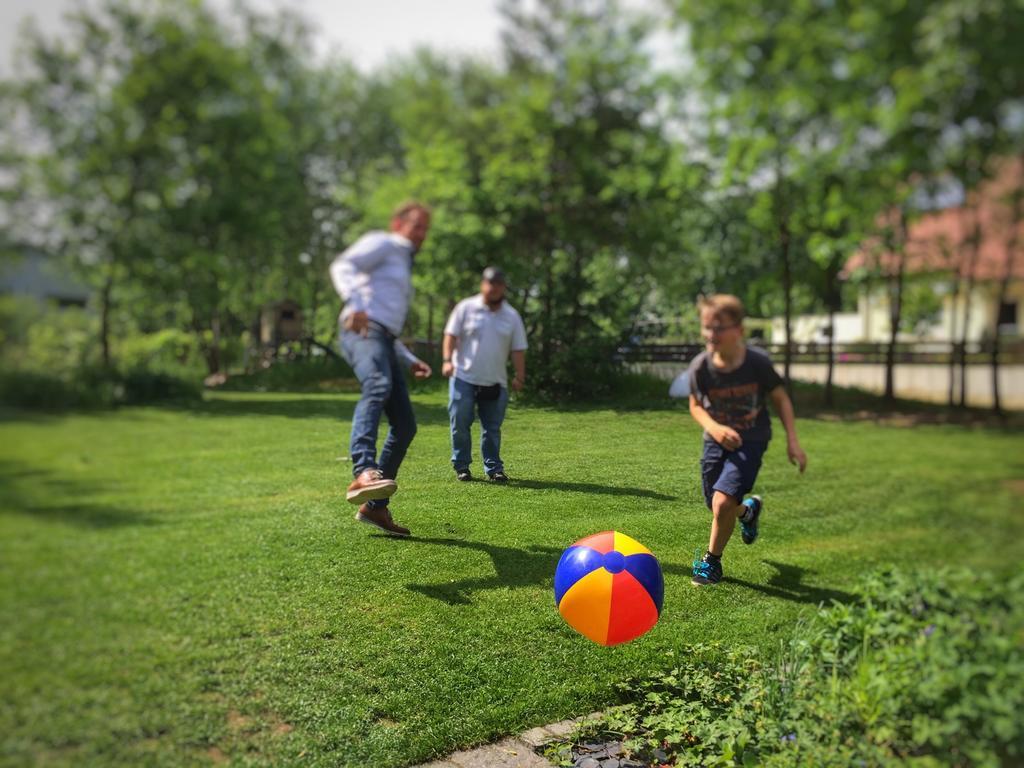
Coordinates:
(514, 752)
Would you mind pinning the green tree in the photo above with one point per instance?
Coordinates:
(763, 77)
(226, 186)
(555, 166)
(188, 163)
(79, 184)
(950, 73)
(881, 97)
(602, 185)
(835, 218)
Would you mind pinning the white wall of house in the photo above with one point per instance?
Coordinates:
(812, 328)
(34, 274)
(983, 309)
(870, 323)
(923, 382)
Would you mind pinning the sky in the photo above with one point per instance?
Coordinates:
(368, 32)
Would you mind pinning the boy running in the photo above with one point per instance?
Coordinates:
(729, 385)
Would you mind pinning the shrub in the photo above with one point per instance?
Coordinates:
(50, 360)
(45, 339)
(310, 374)
(141, 386)
(925, 670)
(92, 387)
(30, 389)
(17, 315)
(582, 371)
(170, 351)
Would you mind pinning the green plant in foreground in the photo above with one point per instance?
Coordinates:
(923, 670)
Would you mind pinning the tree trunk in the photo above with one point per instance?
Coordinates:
(834, 302)
(975, 242)
(213, 357)
(956, 267)
(899, 244)
(787, 287)
(254, 349)
(954, 348)
(577, 284)
(545, 331)
(117, 257)
(105, 305)
(1004, 288)
(314, 302)
(831, 354)
(430, 324)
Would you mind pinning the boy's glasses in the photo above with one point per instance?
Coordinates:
(719, 328)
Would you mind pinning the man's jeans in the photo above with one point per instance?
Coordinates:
(461, 402)
(384, 390)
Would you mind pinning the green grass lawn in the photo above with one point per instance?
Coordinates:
(180, 586)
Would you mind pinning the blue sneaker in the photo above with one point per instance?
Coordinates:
(706, 571)
(749, 528)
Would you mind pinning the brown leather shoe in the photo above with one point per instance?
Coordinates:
(380, 517)
(370, 485)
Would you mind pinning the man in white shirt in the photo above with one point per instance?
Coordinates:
(480, 336)
(374, 278)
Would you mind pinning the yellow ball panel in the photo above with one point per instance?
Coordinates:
(627, 545)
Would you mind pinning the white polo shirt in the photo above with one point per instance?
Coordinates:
(486, 338)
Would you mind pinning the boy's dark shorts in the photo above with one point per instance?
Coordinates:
(731, 472)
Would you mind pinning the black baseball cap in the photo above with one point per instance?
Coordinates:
(494, 275)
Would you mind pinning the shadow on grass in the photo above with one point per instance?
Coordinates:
(787, 583)
(292, 407)
(853, 404)
(29, 492)
(613, 490)
(12, 415)
(513, 568)
(535, 565)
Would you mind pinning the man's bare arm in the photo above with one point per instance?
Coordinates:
(448, 347)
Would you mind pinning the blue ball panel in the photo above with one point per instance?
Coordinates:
(575, 563)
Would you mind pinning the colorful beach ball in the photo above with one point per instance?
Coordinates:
(609, 588)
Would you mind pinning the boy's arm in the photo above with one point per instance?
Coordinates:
(784, 407)
(725, 436)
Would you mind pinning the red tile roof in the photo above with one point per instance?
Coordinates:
(933, 240)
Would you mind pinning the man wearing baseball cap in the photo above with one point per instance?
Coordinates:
(480, 336)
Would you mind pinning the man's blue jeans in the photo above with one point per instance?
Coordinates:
(462, 402)
(384, 390)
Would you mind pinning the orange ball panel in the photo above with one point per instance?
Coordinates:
(586, 607)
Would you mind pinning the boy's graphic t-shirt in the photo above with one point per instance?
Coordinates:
(736, 398)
